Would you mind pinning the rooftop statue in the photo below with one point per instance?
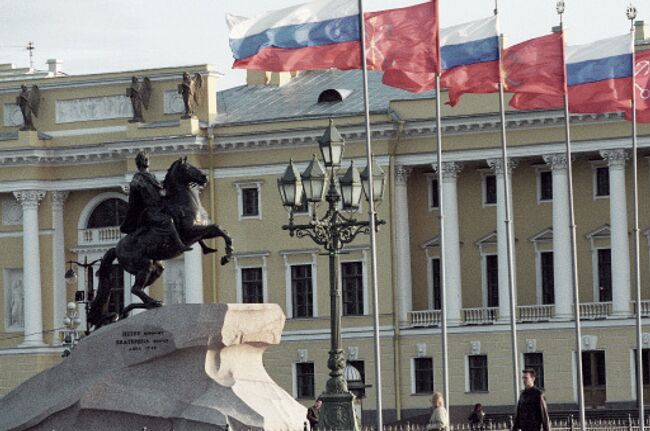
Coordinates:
(140, 94)
(29, 100)
(162, 222)
(190, 90)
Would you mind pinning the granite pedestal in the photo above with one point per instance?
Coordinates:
(180, 367)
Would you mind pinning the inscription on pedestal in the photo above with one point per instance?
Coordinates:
(139, 341)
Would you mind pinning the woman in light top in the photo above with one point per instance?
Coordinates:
(439, 418)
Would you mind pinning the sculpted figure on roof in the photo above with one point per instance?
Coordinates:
(140, 94)
(190, 89)
(29, 100)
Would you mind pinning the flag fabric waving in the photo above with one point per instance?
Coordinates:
(316, 35)
(403, 43)
(534, 70)
(642, 87)
(469, 55)
(325, 34)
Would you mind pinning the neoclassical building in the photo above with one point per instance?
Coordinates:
(64, 191)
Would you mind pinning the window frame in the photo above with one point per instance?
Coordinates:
(431, 178)
(243, 185)
(485, 279)
(595, 167)
(296, 381)
(414, 376)
(469, 368)
(244, 282)
(541, 254)
(300, 257)
(484, 192)
(539, 368)
(251, 260)
(540, 185)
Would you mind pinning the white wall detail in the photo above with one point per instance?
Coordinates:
(174, 281)
(12, 212)
(475, 347)
(14, 299)
(173, 103)
(302, 355)
(531, 345)
(93, 108)
(420, 350)
(12, 115)
(353, 353)
(589, 342)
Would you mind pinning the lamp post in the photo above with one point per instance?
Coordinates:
(82, 296)
(71, 321)
(331, 231)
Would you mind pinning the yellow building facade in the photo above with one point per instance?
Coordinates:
(64, 189)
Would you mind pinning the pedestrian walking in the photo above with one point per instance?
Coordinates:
(477, 417)
(313, 413)
(532, 413)
(439, 418)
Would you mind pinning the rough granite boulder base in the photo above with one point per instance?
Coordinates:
(182, 367)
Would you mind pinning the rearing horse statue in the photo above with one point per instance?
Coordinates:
(141, 251)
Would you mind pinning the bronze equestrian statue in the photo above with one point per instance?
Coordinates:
(162, 222)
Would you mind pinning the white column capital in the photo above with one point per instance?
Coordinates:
(59, 198)
(615, 158)
(401, 174)
(29, 198)
(450, 170)
(497, 165)
(557, 162)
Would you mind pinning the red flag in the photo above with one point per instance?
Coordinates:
(534, 71)
(404, 44)
(642, 88)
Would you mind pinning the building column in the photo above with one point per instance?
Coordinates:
(403, 242)
(619, 242)
(453, 285)
(562, 273)
(193, 275)
(58, 264)
(502, 243)
(33, 311)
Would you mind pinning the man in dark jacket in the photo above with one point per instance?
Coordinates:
(313, 414)
(532, 414)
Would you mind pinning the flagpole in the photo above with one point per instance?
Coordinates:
(441, 246)
(441, 221)
(371, 219)
(572, 228)
(631, 15)
(506, 192)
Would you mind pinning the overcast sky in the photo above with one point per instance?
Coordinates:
(94, 36)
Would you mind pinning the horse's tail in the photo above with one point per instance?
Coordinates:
(98, 305)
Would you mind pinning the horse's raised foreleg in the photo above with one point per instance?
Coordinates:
(213, 231)
(146, 277)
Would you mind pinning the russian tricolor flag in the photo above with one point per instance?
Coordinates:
(469, 56)
(599, 75)
(315, 35)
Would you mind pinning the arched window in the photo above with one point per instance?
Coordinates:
(110, 212)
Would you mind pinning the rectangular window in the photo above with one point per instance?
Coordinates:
(536, 362)
(352, 288)
(548, 292)
(435, 273)
(604, 275)
(492, 280)
(435, 202)
(250, 202)
(546, 186)
(361, 367)
(490, 192)
(602, 181)
(116, 281)
(305, 380)
(302, 294)
(645, 355)
(478, 373)
(423, 375)
(252, 286)
(594, 378)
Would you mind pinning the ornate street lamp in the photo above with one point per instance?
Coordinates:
(332, 231)
(82, 296)
(70, 334)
